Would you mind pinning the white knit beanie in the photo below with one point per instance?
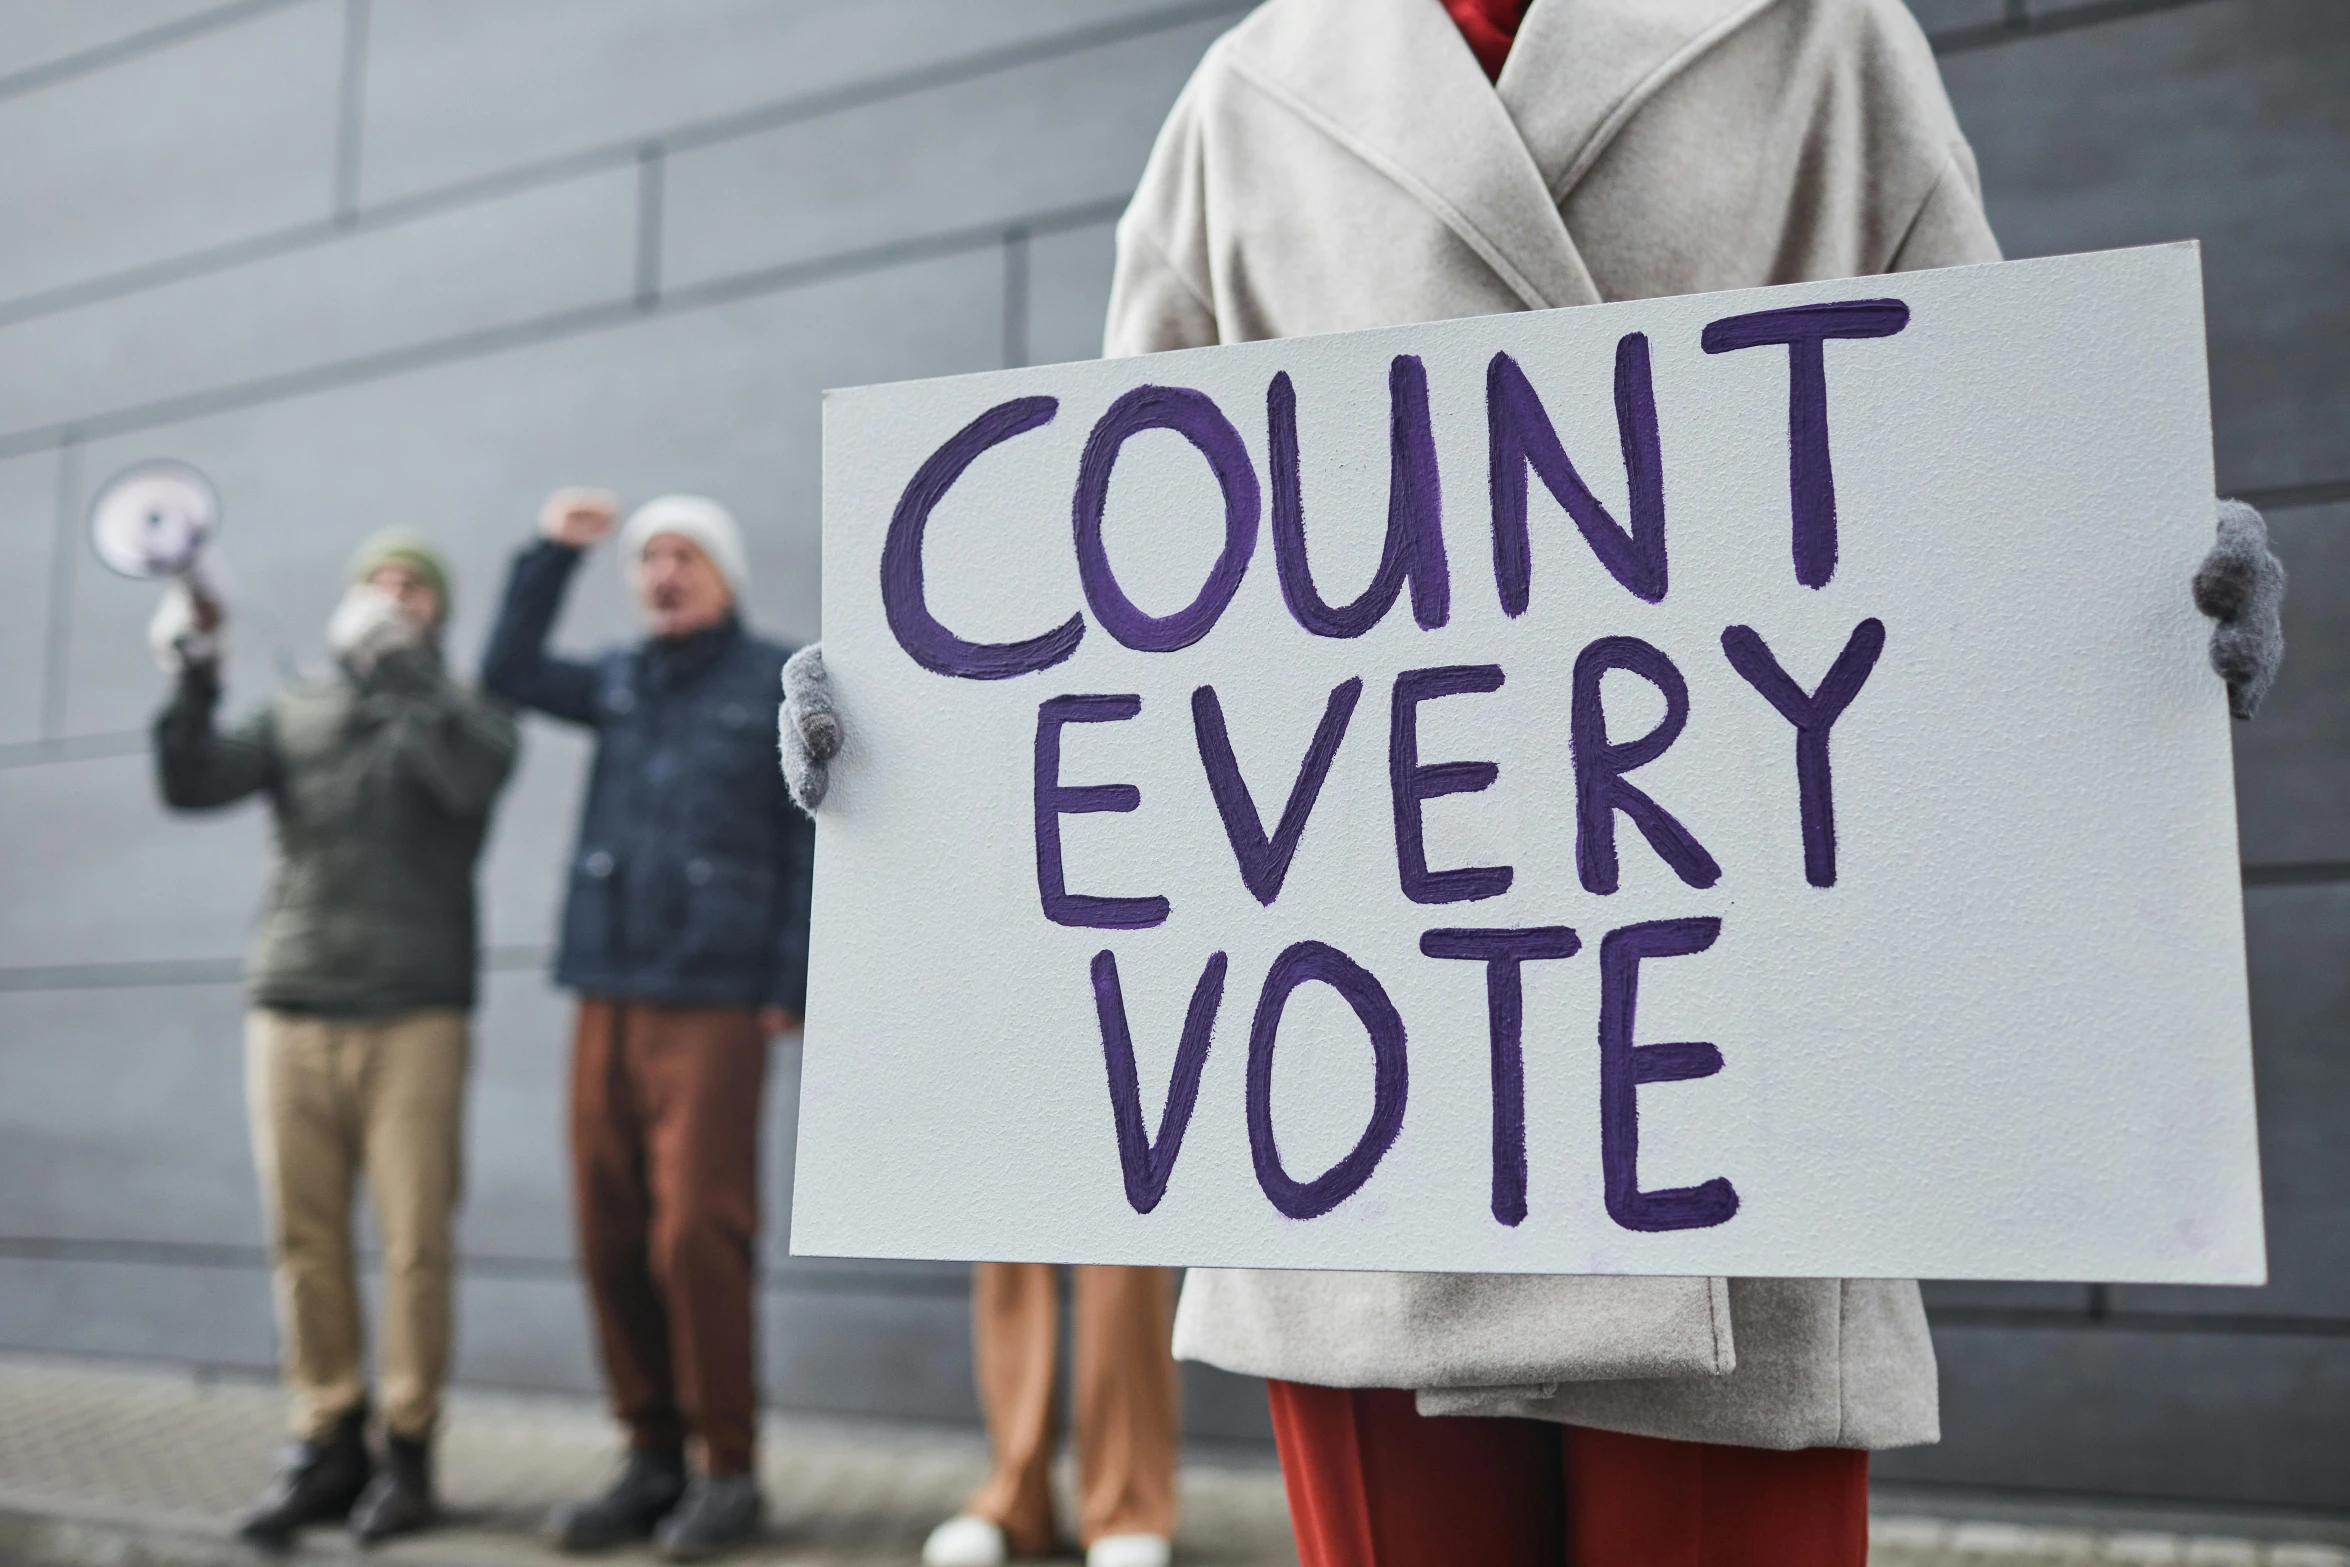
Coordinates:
(694, 517)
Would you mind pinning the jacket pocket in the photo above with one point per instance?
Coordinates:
(727, 911)
(591, 909)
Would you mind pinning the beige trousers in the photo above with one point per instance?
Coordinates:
(332, 1099)
(1128, 1399)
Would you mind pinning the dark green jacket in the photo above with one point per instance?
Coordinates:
(382, 790)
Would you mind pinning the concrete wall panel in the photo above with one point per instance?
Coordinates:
(118, 881)
(1069, 293)
(1937, 16)
(547, 250)
(28, 531)
(37, 38)
(122, 1116)
(193, 1315)
(2224, 122)
(2213, 1417)
(457, 90)
(218, 139)
(973, 154)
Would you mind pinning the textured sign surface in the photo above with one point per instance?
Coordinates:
(1727, 784)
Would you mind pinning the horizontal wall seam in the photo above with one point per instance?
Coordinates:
(946, 1278)
(789, 1277)
(2248, 1323)
(118, 51)
(685, 137)
(2283, 497)
(577, 321)
(208, 971)
(155, 973)
(2039, 24)
(2310, 873)
(74, 748)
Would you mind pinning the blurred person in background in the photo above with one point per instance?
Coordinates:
(381, 774)
(685, 932)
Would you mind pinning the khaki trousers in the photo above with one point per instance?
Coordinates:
(665, 1175)
(1128, 1404)
(331, 1099)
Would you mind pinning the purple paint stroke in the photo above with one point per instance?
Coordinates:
(1310, 961)
(1055, 799)
(1813, 714)
(903, 601)
(1520, 435)
(1411, 784)
(1147, 1163)
(1505, 954)
(1194, 416)
(1811, 478)
(1264, 862)
(1625, 1066)
(1601, 789)
(1414, 550)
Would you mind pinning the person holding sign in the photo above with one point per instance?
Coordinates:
(686, 934)
(1339, 165)
(381, 775)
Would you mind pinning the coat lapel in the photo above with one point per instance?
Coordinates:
(1392, 81)
(1581, 68)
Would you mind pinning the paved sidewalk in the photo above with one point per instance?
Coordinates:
(141, 1467)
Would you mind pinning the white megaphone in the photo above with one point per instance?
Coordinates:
(156, 519)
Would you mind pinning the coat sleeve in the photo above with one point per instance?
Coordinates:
(1950, 229)
(199, 767)
(517, 665)
(455, 744)
(1160, 294)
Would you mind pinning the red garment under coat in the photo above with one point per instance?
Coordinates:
(1373, 1483)
(1490, 26)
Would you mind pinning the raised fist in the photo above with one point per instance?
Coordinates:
(189, 631)
(578, 517)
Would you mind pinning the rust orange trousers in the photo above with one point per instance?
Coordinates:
(1372, 1483)
(665, 1176)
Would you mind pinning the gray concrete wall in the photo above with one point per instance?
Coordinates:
(374, 261)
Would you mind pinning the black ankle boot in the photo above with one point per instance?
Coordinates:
(719, 1512)
(645, 1490)
(399, 1500)
(317, 1481)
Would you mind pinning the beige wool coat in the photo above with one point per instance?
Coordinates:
(1339, 164)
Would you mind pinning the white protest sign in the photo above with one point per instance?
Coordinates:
(1727, 784)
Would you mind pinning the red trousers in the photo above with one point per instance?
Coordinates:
(1372, 1483)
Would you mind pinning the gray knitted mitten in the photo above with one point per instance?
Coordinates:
(808, 730)
(2241, 584)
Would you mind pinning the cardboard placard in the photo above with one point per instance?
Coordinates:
(1727, 784)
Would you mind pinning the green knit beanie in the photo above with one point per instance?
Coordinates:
(407, 548)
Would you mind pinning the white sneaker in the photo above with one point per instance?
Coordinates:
(1129, 1550)
(967, 1541)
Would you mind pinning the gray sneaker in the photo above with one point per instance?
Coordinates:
(645, 1491)
(719, 1512)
